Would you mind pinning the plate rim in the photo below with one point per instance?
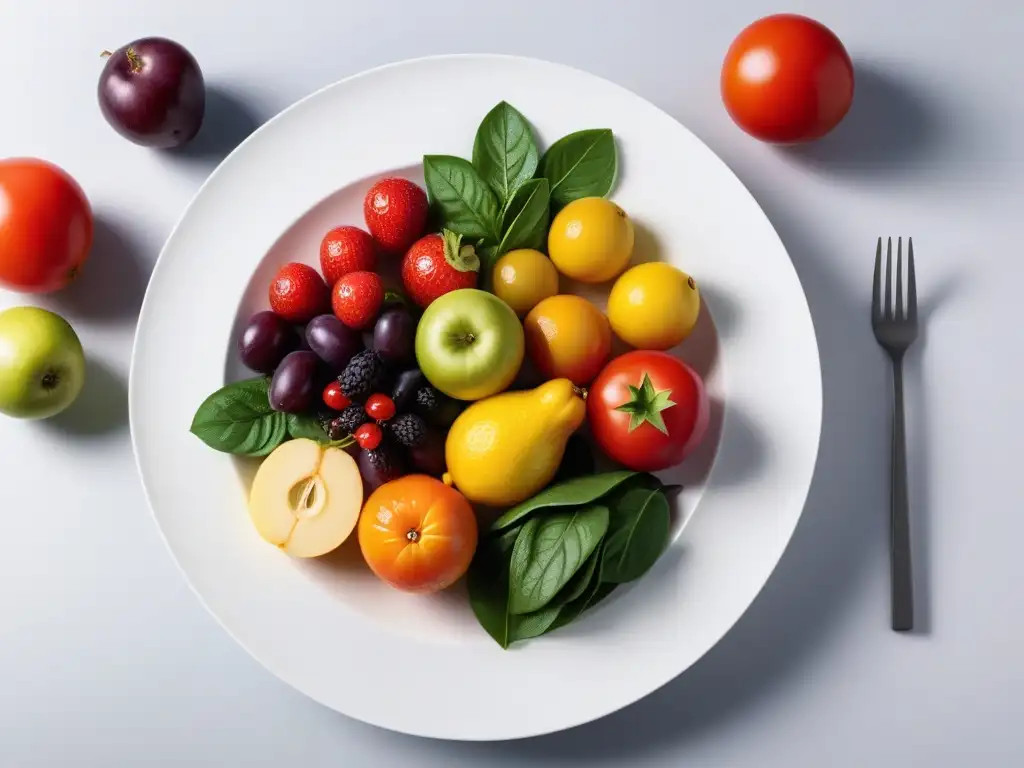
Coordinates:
(813, 349)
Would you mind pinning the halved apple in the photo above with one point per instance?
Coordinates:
(305, 498)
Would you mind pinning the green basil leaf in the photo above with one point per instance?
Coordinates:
(571, 493)
(582, 164)
(238, 419)
(638, 535)
(463, 201)
(302, 425)
(525, 220)
(548, 553)
(505, 151)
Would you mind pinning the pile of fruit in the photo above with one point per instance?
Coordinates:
(403, 411)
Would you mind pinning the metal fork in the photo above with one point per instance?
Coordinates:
(895, 332)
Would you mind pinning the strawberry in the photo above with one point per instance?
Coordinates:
(298, 293)
(437, 264)
(396, 213)
(357, 298)
(344, 250)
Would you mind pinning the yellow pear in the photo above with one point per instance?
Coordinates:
(503, 449)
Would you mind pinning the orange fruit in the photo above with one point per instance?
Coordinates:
(417, 534)
(567, 337)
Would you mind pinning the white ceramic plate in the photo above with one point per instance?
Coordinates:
(421, 665)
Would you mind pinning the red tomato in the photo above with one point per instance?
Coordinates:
(45, 226)
(787, 78)
(648, 410)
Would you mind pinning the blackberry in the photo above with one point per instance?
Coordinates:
(362, 375)
(408, 429)
(349, 420)
(427, 401)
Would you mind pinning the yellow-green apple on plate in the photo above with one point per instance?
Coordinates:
(469, 344)
(42, 366)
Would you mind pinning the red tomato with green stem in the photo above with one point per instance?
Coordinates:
(46, 226)
(786, 79)
(648, 410)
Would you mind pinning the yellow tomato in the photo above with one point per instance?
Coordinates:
(524, 277)
(591, 240)
(567, 337)
(653, 306)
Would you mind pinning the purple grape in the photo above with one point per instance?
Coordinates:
(394, 337)
(152, 92)
(294, 386)
(407, 383)
(265, 340)
(381, 465)
(428, 456)
(333, 341)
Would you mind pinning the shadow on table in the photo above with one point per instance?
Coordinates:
(100, 409)
(111, 284)
(227, 122)
(892, 128)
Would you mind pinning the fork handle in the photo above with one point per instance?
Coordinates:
(902, 583)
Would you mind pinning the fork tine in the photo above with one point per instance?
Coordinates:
(899, 279)
(888, 281)
(911, 283)
(876, 290)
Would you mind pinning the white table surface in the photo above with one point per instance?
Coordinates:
(106, 657)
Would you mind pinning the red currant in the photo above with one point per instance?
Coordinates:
(335, 398)
(368, 436)
(380, 407)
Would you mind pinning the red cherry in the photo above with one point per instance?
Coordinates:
(335, 398)
(368, 436)
(380, 407)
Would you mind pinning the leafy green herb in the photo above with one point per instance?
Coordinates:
(505, 151)
(573, 609)
(637, 536)
(582, 164)
(571, 493)
(303, 425)
(525, 221)
(464, 201)
(549, 551)
(487, 582)
(645, 404)
(238, 419)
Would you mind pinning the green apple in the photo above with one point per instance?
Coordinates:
(469, 344)
(42, 366)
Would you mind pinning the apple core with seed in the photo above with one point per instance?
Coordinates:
(306, 498)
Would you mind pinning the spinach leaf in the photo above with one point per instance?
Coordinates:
(582, 164)
(573, 609)
(549, 551)
(487, 582)
(637, 536)
(238, 419)
(525, 221)
(464, 202)
(571, 493)
(505, 151)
